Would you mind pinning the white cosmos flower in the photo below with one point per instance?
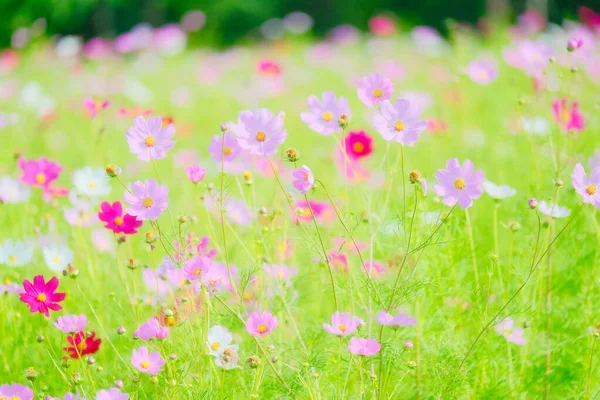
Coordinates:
(553, 210)
(228, 358)
(498, 191)
(218, 339)
(13, 190)
(537, 126)
(91, 182)
(57, 257)
(15, 253)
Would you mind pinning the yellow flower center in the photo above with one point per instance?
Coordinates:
(145, 364)
(56, 260)
(40, 178)
(147, 202)
(171, 321)
(197, 271)
(459, 183)
(358, 147)
(280, 274)
(12, 259)
(150, 141)
(92, 185)
(227, 150)
(342, 327)
(564, 115)
(228, 352)
(399, 126)
(591, 189)
(82, 346)
(377, 93)
(215, 346)
(327, 116)
(262, 328)
(118, 221)
(261, 136)
(41, 297)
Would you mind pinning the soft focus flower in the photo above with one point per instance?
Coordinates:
(364, 347)
(224, 148)
(80, 215)
(324, 114)
(498, 191)
(382, 25)
(399, 122)
(374, 89)
(195, 173)
(386, 319)
(71, 323)
(217, 277)
(13, 190)
(459, 184)
(82, 344)
(15, 253)
(342, 324)
(93, 107)
(40, 173)
(482, 71)
(553, 210)
(218, 339)
(195, 267)
(147, 200)
(149, 139)
(261, 323)
(268, 68)
(531, 57)
(91, 182)
(15, 391)
(112, 216)
(358, 145)
(512, 333)
(57, 257)
(111, 394)
(280, 271)
(587, 188)
(259, 132)
(573, 44)
(567, 115)
(148, 363)
(303, 179)
(151, 329)
(228, 358)
(41, 296)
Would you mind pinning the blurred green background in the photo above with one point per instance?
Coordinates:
(230, 20)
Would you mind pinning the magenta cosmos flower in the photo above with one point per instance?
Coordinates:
(324, 114)
(71, 323)
(261, 323)
(364, 347)
(16, 391)
(374, 89)
(259, 132)
(41, 172)
(303, 179)
(587, 188)
(148, 363)
(567, 115)
(147, 199)
(513, 334)
(343, 324)
(40, 295)
(386, 319)
(459, 184)
(195, 173)
(149, 139)
(112, 216)
(93, 107)
(399, 122)
(225, 147)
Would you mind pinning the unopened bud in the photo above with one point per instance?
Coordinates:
(224, 127)
(414, 176)
(112, 170)
(533, 203)
(343, 121)
(121, 330)
(253, 361)
(408, 344)
(182, 219)
(292, 155)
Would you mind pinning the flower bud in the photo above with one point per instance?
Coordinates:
(558, 183)
(31, 374)
(343, 121)
(40, 339)
(573, 44)
(182, 219)
(533, 203)
(224, 127)
(248, 177)
(253, 361)
(121, 330)
(408, 345)
(112, 170)
(292, 155)
(414, 176)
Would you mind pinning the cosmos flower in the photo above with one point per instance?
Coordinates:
(280, 271)
(382, 25)
(587, 188)
(343, 324)
(268, 68)
(324, 114)
(57, 257)
(148, 363)
(386, 319)
(459, 184)
(80, 215)
(261, 323)
(134, 112)
(218, 338)
(195, 267)
(13, 190)
(147, 200)
(531, 57)
(149, 139)
(92, 182)
(224, 148)
(482, 71)
(15, 253)
(15, 391)
(364, 347)
(259, 132)
(41, 296)
(512, 333)
(112, 216)
(217, 277)
(228, 358)
(498, 191)
(71, 323)
(111, 394)
(338, 260)
(39, 173)
(303, 179)
(151, 329)
(399, 122)
(552, 210)
(195, 173)
(567, 115)
(93, 107)
(374, 89)
(358, 145)
(82, 344)
(574, 44)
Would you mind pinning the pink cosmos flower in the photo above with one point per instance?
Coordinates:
(374, 89)
(364, 347)
(93, 107)
(16, 391)
(587, 188)
(381, 25)
(195, 173)
(531, 57)
(343, 324)
(303, 179)
(40, 295)
(261, 323)
(338, 260)
(149, 139)
(358, 145)
(513, 334)
(196, 267)
(459, 184)
(348, 245)
(39, 173)
(386, 319)
(147, 199)
(574, 44)
(354, 170)
(324, 114)
(97, 48)
(217, 277)
(111, 394)
(268, 68)
(400, 122)
(374, 268)
(280, 271)
(482, 71)
(112, 216)
(322, 210)
(71, 323)
(151, 329)
(531, 22)
(259, 132)
(567, 115)
(224, 148)
(148, 363)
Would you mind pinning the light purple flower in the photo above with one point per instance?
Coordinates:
(195, 173)
(71, 323)
(259, 132)
(531, 57)
(374, 89)
(303, 179)
(364, 347)
(587, 188)
(196, 267)
(400, 122)
(217, 277)
(111, 394)
(482, 71)
(147, 200)
(148, 363)
(513, 334)
(17, 391)
(151, 329)
(386, 319)
(343, 324)
(459, 184)
(148, 139)
(224, 147)
(324, 114)
(280, 271)
(261, 323)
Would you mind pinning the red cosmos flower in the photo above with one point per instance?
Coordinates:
(82, 345)
(358, 144)
(40, 296)
(113, 216)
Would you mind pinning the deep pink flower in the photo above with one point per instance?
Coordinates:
(82, 344)
(400, 122)
(40, 173)
(343, 324)
(71, 323)
(268, 68)
(374, 89)
(358, 145)
(338, 260)
(97, 48)
(280, 271)
(15, 391)
(151, 329)
(196, 267)
(324, 114)
(574, 44)
(93, 107)
(149, 139)
(196, 173)
(40, 296)
(482, 71)
(364, 347)
(112, 216)
(147, 200)
(261, 323)
(513, 334)
(381, 25)
(567, 115)
(587, 188)
(322, 210)
(459, 184)
(386, 319)
(531, 22)
(224, 148)
(259, 132)
(148, 363)
(303, 179)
